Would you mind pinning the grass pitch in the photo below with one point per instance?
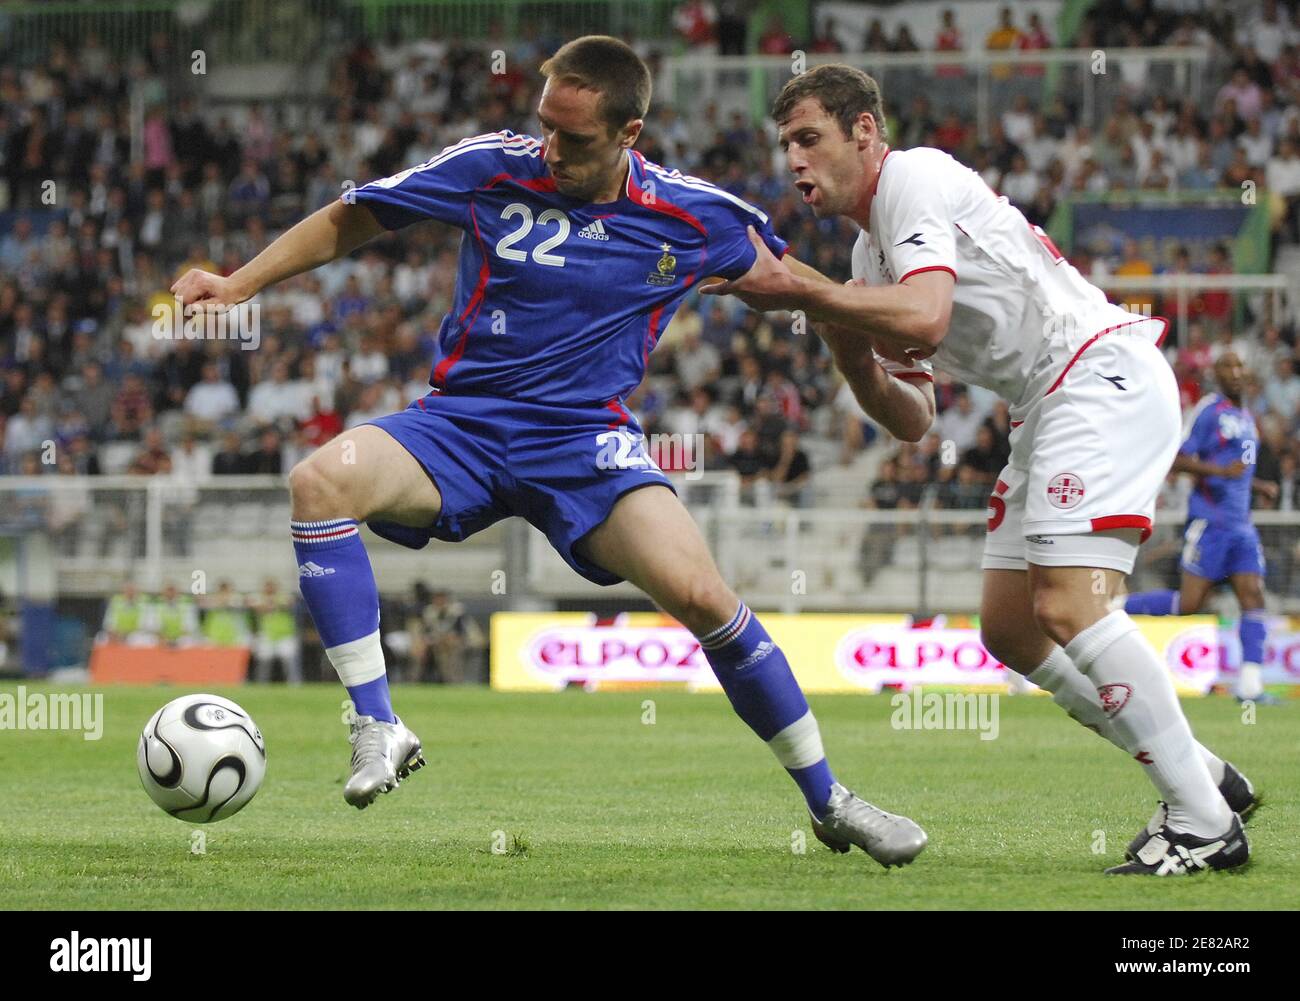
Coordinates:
(594, 808)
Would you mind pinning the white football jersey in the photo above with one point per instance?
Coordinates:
(1020, 309)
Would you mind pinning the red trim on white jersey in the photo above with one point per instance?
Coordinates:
(1164, 333)
(931, 267)
(1093, 340)
(879, 170)
(913, 375)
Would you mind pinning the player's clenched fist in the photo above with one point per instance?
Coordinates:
(208, 292)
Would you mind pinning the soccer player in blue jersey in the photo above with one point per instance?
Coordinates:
(1220, 543)
(576, 253)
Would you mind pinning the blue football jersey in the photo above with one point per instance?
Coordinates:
(1222, 434)
(557, 300)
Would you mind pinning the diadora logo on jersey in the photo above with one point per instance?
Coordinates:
(1114, 698)
(914, 239)
(594, 231)
(1065, 490)
(1115, 380)
(885, 273)
(310, 569)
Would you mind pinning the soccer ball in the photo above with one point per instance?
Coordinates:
(201, 758)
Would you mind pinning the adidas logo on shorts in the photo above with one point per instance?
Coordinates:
(594, 231)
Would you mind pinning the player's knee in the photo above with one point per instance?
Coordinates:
(1059, 614)
(315, 494)
(704, 602)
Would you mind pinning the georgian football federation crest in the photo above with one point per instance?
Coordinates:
(665, 270)
(1065, 490)
(1114, 698)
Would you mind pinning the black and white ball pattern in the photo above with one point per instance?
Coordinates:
(201, 758)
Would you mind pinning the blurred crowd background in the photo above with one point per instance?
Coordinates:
(427, 635)
(82, 366)
(209, 187)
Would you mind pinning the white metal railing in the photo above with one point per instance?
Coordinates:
(1088, 75)
(98, 531)
(1276, 288)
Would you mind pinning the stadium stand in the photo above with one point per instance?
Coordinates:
(149, 181)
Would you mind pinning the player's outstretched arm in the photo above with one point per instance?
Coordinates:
(329, 233)
(912, 315)
(901, 406)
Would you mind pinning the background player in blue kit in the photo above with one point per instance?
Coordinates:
(576, 253)
(1220, 542)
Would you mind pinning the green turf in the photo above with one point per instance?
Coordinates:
(601, 810)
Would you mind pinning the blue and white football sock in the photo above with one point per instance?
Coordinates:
(1137, 696)
(1078, 697)
(762, 689)
(338, 584)
(1152, 603)
(1253, 631)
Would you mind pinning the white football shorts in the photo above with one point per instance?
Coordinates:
(1088, 460)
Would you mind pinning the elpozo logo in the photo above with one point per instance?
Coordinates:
(878, 655)
(579, 652)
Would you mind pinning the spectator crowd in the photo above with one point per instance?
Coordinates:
(82, 364)
(266, 623)
(433, 638)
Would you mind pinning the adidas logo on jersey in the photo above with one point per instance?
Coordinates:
(310, 569)
(594, 231)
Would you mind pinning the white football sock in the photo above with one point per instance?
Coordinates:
(1137, 695)
(1250, 683)
(1076, 695)
(358, 661)
(799, 744)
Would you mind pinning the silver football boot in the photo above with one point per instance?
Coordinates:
(382, 755)
(886, 837)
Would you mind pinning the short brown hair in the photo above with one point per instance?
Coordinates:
(844, 91)
(609, 66)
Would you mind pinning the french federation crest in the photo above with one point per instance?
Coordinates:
(665, 272)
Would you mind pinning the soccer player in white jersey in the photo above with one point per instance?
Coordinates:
(947, 274)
